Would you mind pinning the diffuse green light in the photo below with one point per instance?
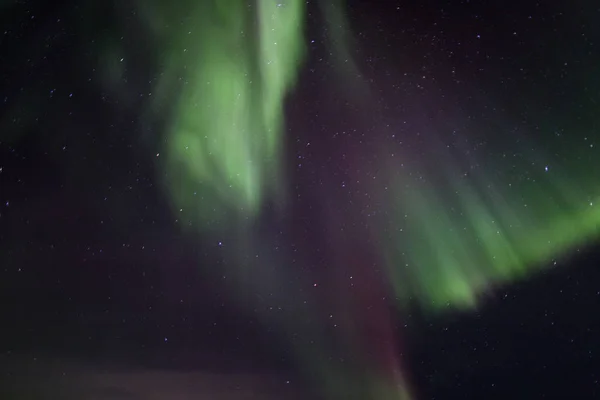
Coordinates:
(234, 65)
(451, 242)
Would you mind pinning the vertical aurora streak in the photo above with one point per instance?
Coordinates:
(234, 64)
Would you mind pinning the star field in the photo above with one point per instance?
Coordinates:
(336, 200)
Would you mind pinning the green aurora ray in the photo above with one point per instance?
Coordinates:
(453, 237)
(234, 62)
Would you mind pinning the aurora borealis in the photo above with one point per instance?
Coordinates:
(446, 238)
(486, 230)
(314, 175)
(237, 65)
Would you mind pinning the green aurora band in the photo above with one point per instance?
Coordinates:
(237, 61)
(453, 240)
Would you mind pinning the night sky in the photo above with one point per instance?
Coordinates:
(406, 196)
